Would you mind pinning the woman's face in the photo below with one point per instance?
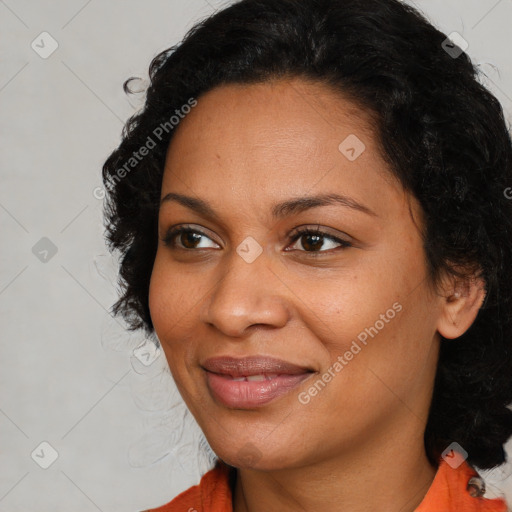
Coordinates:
(349, 311)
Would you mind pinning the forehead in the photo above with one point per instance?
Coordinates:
(288, 119)
(276, 112)
(276, 139)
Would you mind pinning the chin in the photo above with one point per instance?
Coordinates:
(250, 456)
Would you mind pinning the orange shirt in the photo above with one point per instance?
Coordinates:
(447, 493)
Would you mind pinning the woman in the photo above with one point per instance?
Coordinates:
(313, 215)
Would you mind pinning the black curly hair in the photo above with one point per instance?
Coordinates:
(442, 132)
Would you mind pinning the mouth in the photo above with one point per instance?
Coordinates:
(250, 382)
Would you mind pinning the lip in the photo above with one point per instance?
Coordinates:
(269, 378)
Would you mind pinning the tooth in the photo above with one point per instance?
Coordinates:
(271, 376)
(251, 378)
(238, 379)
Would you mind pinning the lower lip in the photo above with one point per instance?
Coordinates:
(249, 394)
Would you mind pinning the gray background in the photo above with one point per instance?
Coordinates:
(68, 375)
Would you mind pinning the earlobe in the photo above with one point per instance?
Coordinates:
(460, 308)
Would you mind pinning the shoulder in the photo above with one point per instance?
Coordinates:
(458, 488)
(212, 494)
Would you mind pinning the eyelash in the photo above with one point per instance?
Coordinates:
(169, 237)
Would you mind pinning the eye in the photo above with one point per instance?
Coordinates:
(188, 238)
(313, 239)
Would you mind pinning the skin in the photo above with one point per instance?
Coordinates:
(242, 149)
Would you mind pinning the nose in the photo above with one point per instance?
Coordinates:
(246, 295)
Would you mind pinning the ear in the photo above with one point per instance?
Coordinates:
(461, 302)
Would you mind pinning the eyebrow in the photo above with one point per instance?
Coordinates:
(279, 210)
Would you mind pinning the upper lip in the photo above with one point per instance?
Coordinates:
(252, 365)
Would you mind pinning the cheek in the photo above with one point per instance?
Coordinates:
(388, 351)
(173, 301)
(388, 374)
(382, 311)
(171, 305)
(172, 296)
(340, 307)
(158, 295)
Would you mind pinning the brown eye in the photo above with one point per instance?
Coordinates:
(312, 241)
(187, 238)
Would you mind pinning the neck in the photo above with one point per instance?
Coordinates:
(387, 477)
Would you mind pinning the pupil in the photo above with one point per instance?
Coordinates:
(190, 238)
(315, 245)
